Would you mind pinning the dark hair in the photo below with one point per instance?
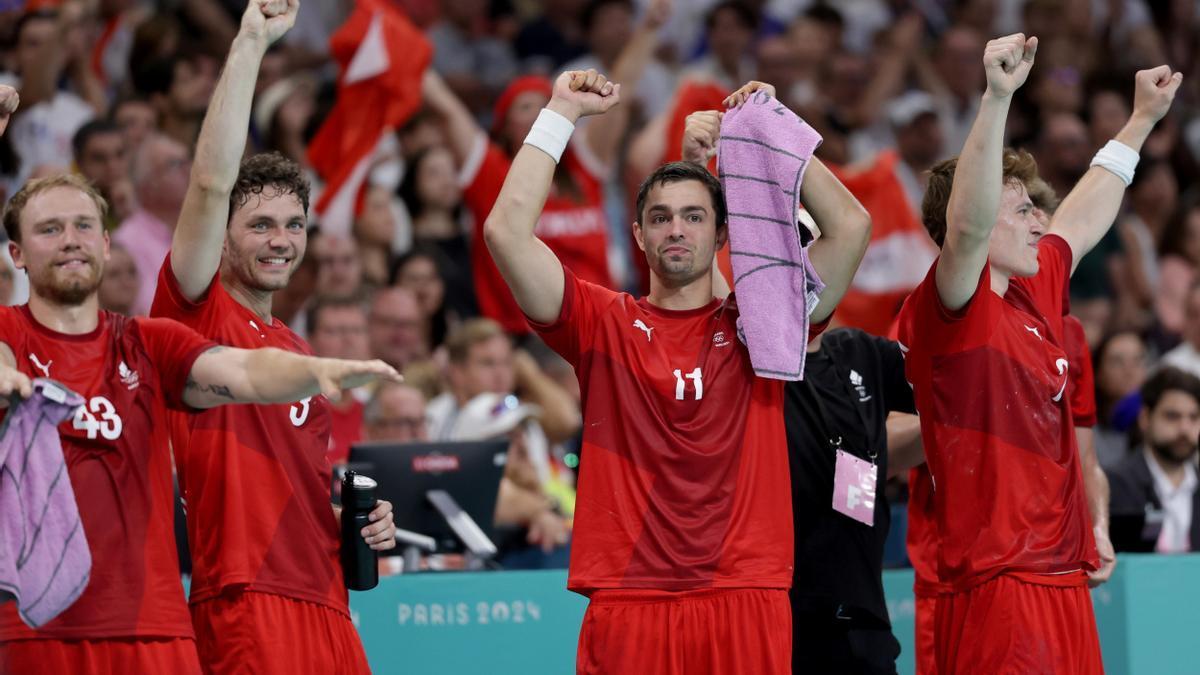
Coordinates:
(439, 323)
(824, 14)
(593, 8)
(268, 170)
(324, 303)
(1019, 166)
(676, 172)
(12, 211)
(89, 131)
(43, 14)
(743, 13)
(408, 191)
(1168, 379)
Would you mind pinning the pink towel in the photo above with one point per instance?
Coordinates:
(764, 149)
(44, 558)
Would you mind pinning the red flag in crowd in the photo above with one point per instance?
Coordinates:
(382, 58)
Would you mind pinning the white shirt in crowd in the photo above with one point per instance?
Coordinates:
(1177, 506)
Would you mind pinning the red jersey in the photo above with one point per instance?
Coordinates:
(989, 381)
(1083, 383)
(684, 480)
(129, 372)
(575, 229)
(254, 477)
(346, 424)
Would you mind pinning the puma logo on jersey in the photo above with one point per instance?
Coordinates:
(1061, 364)
(641, 325)
(129, 378)
(1034, 330)
(45, 368)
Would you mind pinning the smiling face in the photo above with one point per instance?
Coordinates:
(63, 245)
(1013, 246)
(266, 240)
(679, 232)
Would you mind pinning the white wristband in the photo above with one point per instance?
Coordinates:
(550, 133)
(1118, 158)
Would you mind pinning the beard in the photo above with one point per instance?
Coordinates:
(1177, 451)
(677, 270)
(67, 288)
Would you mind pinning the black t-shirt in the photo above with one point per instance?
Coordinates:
(860, 379)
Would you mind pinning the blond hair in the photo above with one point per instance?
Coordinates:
(12, 212)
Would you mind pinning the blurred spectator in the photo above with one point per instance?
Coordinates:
(395, 327)
(729, 29)
(339, 267)
(161, 166)
(1121, 365)
(396, 412)
(1153, 199)
(419, 271)
(137, 120)
(102, 155)
(553, 38)
(958, 83)
(1179, 269)
(1186, 356)
(337, 329)
(1063, 150)
(375, 232)
(474, 64)
(1159, 482)
(609, 27)
(46, 49)
(283, 113)
(482, 360)
(178, 88)
(121, 285)
(7, 274)
(431, 193)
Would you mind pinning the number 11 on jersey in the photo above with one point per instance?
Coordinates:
(680, 383)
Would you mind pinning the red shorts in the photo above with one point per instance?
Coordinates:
(119, 656)
(265, 634)
(925, 641)
(1019, 623)
(694, 632)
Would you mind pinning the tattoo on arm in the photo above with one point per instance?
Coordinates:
(214, 349)
(214, 389)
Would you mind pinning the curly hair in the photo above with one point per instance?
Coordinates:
(270, 174)
(1019, 166)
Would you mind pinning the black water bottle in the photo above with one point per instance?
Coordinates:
(360, 564)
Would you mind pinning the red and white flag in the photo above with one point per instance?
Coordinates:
(382, 58)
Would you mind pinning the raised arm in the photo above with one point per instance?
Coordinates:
(528, 266)
(604, 134)
(200, 233)
(225, 375)
(845, 231)
(1090, 208)
(461, 129)
(978, 177)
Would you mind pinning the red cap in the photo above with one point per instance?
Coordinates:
(515, 88)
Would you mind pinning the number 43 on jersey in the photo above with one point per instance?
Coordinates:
(98, 418)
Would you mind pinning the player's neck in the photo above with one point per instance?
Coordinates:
(1000, 281)
(255, 300)
(69, 319)
(689, 296)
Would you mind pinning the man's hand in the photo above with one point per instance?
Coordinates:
(9, 100)
(268, 20)
(1007, 62)
(337, 375)
(747, 90)
(14, 381)
(548, 530)
(700, 133)
(381, 533)
(1108, 557)
(580, 93)
(1153, 92)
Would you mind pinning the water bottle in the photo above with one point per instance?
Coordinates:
(360, 564)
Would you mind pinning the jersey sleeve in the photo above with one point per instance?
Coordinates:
(1083, 389)
(173, 349)
(924, 320)
(571, 334)
(10, 328)
(169, 300)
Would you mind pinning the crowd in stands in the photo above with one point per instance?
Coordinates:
(116, 90)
